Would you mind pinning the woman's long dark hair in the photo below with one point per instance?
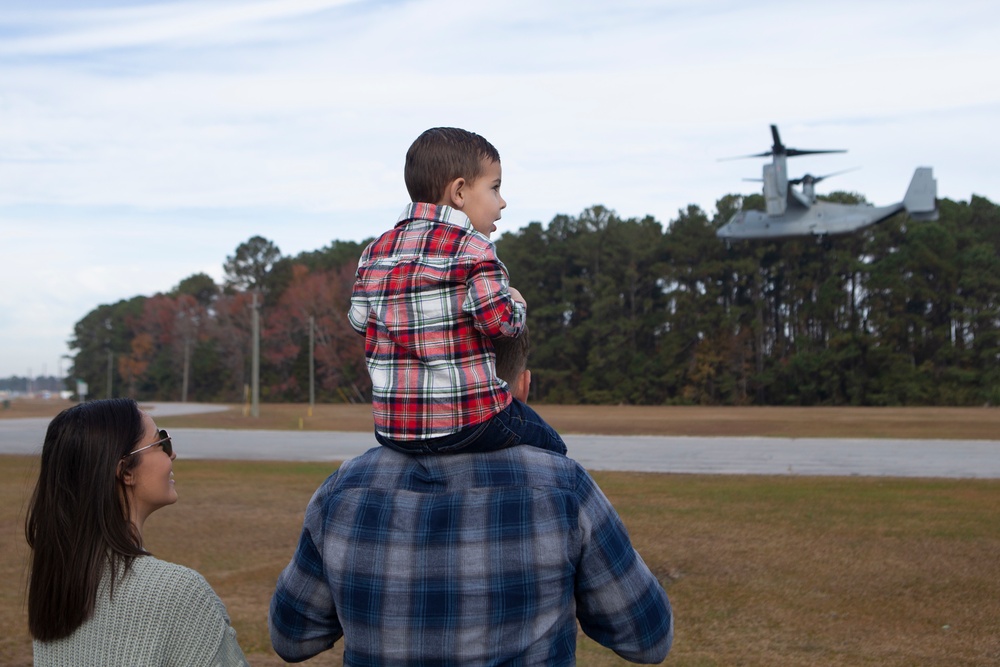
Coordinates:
(79, 519)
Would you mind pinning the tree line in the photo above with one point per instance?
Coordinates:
(620, 310)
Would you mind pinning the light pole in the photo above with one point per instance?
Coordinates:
(312, 374)
(255, 363)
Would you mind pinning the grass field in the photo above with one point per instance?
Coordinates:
(760, 570)
(922, 422)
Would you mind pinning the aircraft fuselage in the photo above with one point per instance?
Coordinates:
(821, 219)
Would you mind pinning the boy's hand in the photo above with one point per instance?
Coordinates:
(517, 297)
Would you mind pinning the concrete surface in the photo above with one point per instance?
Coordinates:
(731, 456)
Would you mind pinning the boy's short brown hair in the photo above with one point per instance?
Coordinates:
(439, 156)
(512, 355)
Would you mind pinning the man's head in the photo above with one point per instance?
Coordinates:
(457, 168)
(512, 363)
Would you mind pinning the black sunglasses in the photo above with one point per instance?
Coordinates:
(164, 441)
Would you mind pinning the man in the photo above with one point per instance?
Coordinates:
(469, 559)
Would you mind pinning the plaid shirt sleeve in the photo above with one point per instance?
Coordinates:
(358, 314)
(489, 302)
(303, 619)
(620, 603)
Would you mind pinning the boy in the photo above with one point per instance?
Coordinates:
(429, 296)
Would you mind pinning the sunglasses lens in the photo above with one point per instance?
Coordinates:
(168, 446)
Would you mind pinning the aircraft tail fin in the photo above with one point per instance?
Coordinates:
(921, 197)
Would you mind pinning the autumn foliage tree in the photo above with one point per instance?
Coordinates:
(317, 300)
(621, 311)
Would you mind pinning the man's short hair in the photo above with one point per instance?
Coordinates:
(439, 156)
(512, 355)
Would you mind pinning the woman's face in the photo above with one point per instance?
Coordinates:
(152, 478)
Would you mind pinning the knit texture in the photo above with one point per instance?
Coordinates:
(161, 614)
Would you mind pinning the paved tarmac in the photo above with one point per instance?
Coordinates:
(729, 456)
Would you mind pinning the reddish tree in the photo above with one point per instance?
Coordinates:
(339, 351)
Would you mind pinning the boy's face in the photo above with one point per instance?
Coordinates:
(482, 200)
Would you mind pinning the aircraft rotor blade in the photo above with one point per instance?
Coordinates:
(809, 178)
(778, 148)
(793, 152)
(744, 157)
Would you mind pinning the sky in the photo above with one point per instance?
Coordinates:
(142, 142)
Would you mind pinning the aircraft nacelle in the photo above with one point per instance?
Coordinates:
(775, 190)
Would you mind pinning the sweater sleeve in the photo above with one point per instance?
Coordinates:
(229, 652)
(201, 633)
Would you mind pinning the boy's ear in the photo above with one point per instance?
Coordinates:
(454, 193)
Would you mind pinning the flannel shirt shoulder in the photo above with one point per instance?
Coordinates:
(466, 559)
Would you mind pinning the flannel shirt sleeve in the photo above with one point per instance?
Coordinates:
(620, 603)
(358, 314)
(303, 620)
(489, 302)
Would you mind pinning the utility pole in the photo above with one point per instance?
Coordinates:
(312, 373)
(255, 367)
(187, 365)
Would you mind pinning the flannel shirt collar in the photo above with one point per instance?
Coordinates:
(434, 213)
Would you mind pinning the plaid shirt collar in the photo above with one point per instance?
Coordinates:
(435, 213)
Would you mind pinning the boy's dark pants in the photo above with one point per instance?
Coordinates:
(517, 424)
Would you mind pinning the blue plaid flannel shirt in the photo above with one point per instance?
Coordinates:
(470, 559)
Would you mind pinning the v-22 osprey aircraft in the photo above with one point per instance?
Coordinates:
(793, 213)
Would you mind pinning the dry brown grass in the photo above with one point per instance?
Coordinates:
(921, 423)
(19, 408)
(946, 423)
(761, 570)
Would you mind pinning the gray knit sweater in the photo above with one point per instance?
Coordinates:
(161, 614)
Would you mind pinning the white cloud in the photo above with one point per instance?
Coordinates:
(180, 129)
(76, 30)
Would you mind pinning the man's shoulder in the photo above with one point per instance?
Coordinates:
(522, 466)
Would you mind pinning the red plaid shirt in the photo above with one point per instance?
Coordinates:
(428, 296)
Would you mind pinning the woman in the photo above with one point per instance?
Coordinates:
(96, 596)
